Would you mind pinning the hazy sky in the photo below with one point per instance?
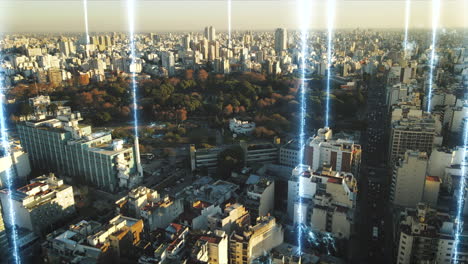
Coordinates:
(175, 15)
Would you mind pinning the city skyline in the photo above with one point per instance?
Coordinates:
(164, 16)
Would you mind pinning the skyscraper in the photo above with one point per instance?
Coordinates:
(168, 61)
(186, 42)
(212, 34)
(281, 40)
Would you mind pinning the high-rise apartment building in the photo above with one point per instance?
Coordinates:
(339, 154)
(186, 42)
(327, 202)
(168, 61)
(281, 40)
(413, 130)
(409, 176)
(67, 48)
(427, 236)
(211, 34)
(61, 145)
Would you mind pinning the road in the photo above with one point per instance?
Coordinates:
(373, 209)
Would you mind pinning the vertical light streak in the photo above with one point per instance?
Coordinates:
(131, 30)
(9, 179)
(304, 9)
(461, 193)
(85, 8)
(463, 184)
(407, 19)
(435, 22)
(229, 4)
(330, 26)
(461, 196)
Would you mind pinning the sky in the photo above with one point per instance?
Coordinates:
(194, 15)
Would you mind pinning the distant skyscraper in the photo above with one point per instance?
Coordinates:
(281, 40)
(168, 61)
(210, 33)
(206, 33)
(67, 48)
(186, 42)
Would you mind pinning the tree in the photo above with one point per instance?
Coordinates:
(181, 115)
(102, 117)
(25, 109)
(125, 111)
(188, 75)
(228, 109)
(121, 133)
(229, 160)
(202, 75)
(52, 108)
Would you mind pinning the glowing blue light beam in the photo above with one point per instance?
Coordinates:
(131, 25)
(9, 180)
(85, 8)
(463, 181)
(331, 6)
(435, 22)
(461, 192)
(304, 9)
(407, 19)
(319, 239)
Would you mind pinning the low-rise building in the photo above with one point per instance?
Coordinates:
(212, 248)
(260, 198)
(17, 163)
(241, 127)
(233, 216)
(89, 242)
(254, 241)
(40, 204)
(289, 154)
(160, 214)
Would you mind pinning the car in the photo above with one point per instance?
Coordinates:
(375, 233)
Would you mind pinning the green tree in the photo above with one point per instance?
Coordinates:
(230, 160)
(102, 117)
(25, 109)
